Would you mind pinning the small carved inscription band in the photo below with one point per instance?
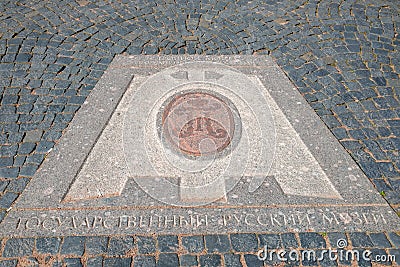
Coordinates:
(196, 221)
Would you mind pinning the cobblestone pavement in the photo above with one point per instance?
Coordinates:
(342, 55)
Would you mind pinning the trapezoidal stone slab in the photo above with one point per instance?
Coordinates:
(196, 144)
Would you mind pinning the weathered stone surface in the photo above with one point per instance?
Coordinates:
(97, 180)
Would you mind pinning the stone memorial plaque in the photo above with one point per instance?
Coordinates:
(196, 144)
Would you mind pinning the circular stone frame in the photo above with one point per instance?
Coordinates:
(236, 120)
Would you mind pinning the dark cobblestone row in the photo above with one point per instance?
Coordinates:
(191, 250)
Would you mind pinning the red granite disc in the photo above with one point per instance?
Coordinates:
(198, 124)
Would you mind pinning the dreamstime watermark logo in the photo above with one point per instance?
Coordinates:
(340, 254)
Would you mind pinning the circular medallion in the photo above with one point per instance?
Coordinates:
(198, 123)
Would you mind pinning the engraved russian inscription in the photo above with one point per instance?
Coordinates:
(204, 220)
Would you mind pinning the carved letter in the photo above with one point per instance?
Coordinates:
(201, 221)
(48, 220)
(274, 220)
(36, 225)
(183, 221)
(301, 219)
(377, 218)
(356, 218)
(259, 220)
(330, 220)
(18, 223)
(246, 221)
(97, 221)
(226, 218)
(85, 222)
(237, 219)
(131, 221)
(345, 217)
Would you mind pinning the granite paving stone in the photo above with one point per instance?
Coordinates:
(308, 261)
(335, 237)
(217, 243)
(168, 260)
(324, 260)
(364, 262)
(312, 240)
(272, 241)
(188, 260)
(210, 260)
(244, 242)
(18, 185)
(73, 262)
(97, 261)
(168, 243)
(73, 245)
(3, 185)
(120, 262)
(7, 199)
(193, 244)
(232, 260)
(48, 245)
(396, 254)
(394, 238)
(252, 260)
(381, 256)
(380, 240)
(8, 263)
(18, 247)
(146, 244)
(144, 261)
(120, 245)
(360, 240)
(95, 245)
(289, 240)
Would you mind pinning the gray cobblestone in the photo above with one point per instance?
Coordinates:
(168, 243)
(73, 245)
(120, 245)
(312, 240)
(7, 199)
(217, 243)
(92, 262)
(272, 241)
(118, 262)
(48, 245)
(8, 263)
(360, 240)
(289, 240)
(96, 245)
(3, 186)
(193, 244)
(18, 247)
(244, 242)
(145, 261)
(73, 262)
(168, 260)
(146, 244)
(188, 260)
(18, 185)
(395, 239)
(210, 260)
